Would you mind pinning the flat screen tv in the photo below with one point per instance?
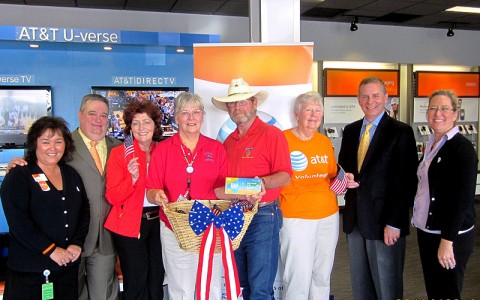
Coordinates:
(20, 106)
(118, 97)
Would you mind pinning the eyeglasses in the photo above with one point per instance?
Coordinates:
(195, 113)
(443, 109)
(239, 103)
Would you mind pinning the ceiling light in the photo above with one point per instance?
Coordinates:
(34, 46)
(180, 50)
(353, 25)
(107, 48)
(450, 30)
(465, 9)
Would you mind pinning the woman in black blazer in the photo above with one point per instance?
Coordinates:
(444, 212)
(47, 211)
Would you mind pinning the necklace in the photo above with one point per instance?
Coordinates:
(189, 169)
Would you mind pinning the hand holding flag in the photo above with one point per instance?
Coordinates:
(128, 148)
(339, 184)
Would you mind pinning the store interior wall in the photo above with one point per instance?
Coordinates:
(333, 41)
(71, 69)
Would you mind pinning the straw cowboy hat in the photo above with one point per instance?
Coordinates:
(238, 90)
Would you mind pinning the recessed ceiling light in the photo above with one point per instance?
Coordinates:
(180, 50)
(34, 46)
(108, 48)
(465, 9)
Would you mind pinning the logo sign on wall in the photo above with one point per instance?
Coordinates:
(463, 84)
(344, 82)
(284, 71)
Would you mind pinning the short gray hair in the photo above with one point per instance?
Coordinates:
(92, 97)
(305, 98)
(372, 79)
(187, 98)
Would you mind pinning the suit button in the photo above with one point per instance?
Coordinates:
(429, 213)
(433, 199)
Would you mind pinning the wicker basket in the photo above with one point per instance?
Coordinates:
(177, 214)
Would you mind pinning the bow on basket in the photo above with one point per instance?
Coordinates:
(227, 225)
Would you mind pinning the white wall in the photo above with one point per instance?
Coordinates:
(333, 41)
(408, 45)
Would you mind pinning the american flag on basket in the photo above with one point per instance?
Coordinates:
(339, 183)
(128, 147)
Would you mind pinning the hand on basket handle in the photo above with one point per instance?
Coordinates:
(157, 196)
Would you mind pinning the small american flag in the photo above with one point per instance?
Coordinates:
(128, 147)
(244, 204)
(216, 210)
(339, 183)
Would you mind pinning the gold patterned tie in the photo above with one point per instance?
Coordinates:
(363, 147)
(96, 156)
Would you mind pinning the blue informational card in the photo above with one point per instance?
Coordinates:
(243, 186)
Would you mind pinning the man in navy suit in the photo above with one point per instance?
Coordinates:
(376, 214)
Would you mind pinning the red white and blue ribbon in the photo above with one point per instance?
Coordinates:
(228, 226)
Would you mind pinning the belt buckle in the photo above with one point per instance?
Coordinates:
(149, 216)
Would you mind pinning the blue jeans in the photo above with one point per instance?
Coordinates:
(257, 256)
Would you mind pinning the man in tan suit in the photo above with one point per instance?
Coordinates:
(97, 279)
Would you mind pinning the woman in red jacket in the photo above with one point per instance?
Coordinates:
(133, 220)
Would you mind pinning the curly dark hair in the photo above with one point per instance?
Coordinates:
(38, 128)
(140, 107)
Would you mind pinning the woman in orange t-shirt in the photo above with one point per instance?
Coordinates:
(310, 212)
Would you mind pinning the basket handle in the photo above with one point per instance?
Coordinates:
(255, 206)
(164, 204)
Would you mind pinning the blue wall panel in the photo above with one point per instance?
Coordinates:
(72, 69)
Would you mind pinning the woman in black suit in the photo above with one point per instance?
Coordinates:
(47, 211)
(444, 212)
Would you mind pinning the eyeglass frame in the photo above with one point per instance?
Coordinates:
(442, 109)
(194, 113)
(240, 102)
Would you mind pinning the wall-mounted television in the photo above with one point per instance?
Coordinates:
(118, 97)
(20, 106)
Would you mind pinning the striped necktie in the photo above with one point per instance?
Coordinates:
(96, 156)
(363, 147)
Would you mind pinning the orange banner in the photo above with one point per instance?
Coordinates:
(258, 65)
(463, 84)
(344, 83)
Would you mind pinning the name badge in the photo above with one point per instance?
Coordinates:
(41, 179)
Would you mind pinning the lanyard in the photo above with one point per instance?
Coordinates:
(189, 169)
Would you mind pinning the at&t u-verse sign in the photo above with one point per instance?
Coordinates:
(52, 34)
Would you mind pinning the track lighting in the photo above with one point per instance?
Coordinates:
(450, 30)
(353, 25)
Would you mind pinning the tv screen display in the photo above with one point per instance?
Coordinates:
(119, 97)
(20, 106)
